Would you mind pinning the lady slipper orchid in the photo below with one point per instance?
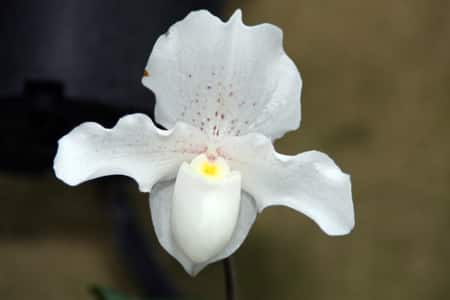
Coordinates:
(226, 91)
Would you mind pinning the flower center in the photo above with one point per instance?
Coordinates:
(210, 167)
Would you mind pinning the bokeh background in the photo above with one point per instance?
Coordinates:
(376, 98)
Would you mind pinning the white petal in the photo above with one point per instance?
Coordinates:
(134, 147)
(309, 182)
(161, 208)
(225, 78)
(204, 212)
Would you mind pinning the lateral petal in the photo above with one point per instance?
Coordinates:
(135, 147)
(310, 182)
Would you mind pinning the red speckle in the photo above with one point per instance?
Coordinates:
(216, 114)
(222, 116)
(220, 152)
(211, 157)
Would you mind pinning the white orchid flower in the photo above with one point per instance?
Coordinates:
(226, 91)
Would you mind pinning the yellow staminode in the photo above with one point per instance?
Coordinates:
(209, 169)
(216, 168)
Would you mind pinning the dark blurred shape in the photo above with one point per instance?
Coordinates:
(67, 62)
(35, 120)
(97, 49)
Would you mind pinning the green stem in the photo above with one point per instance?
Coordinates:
(230, 284)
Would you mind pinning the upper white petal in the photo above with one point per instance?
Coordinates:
(161, 211)
(134, 147)
(224, 77)
(309, 182)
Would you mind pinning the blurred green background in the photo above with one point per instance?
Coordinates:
(376, 99)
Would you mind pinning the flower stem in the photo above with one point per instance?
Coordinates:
(230, 284)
